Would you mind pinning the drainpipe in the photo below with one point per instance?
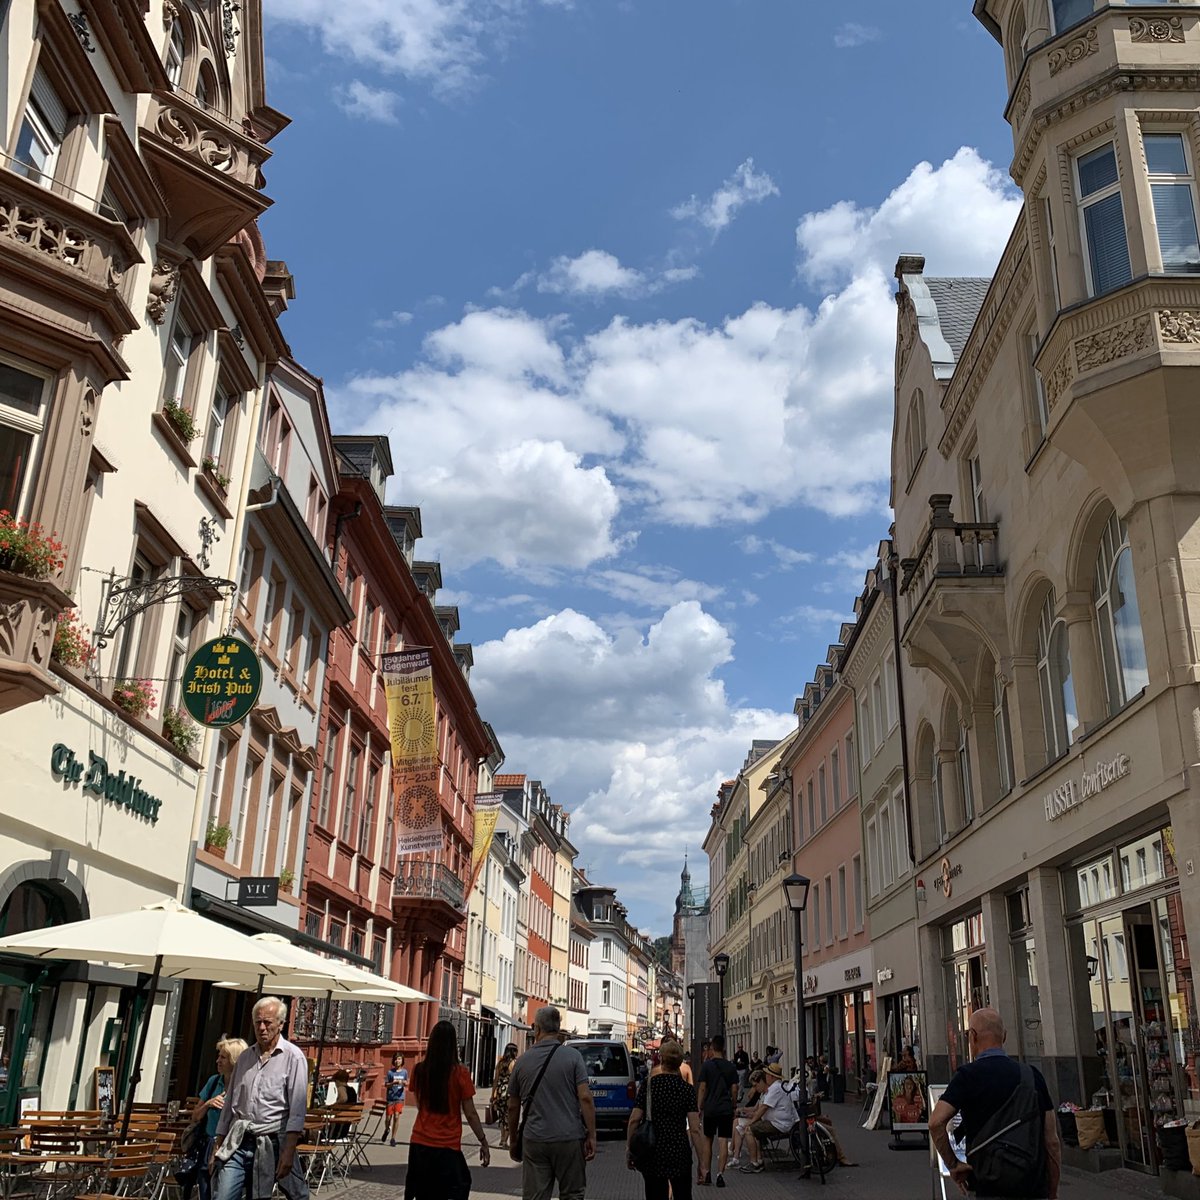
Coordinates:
(893, 562)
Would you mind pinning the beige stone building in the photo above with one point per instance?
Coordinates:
(1045, 485)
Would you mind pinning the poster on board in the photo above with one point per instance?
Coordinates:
(106, 1091)
(944, 1188)
(908, 1101)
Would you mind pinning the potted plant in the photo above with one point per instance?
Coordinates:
(181, 731)
(212, 469)
(72, 645)
(181, 420)
(286, 878)
(26, 549)
(135, 696)
(216, 838)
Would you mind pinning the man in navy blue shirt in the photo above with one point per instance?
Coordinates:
(978, 1090)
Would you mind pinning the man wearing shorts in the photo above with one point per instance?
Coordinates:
(716, 1097)
(774, 1115)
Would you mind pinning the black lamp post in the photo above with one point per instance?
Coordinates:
(721, 965)
(795, 891)
(679, 1021)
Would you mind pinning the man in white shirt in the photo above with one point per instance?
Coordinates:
(775, 1114)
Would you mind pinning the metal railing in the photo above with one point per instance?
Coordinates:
(429, 881)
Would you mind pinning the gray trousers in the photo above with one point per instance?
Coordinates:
(545, 1162)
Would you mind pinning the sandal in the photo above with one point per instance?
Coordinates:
(704, 1180)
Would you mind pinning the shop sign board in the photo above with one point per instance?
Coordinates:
(943, 881)
(258, 891)
(123, 790)
(1072, 793)
(221, 682)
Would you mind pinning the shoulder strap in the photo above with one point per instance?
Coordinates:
(1027, 1081)
(538, 1078)
(649, 1094)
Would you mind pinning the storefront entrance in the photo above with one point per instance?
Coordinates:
(965, 966)
(902, 1015)
(1134, 993)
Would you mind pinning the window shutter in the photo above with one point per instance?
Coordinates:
(51, 108)
(1108, 250)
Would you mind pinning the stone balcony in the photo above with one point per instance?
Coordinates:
(952, 590)
(72, 259)
(209, 169)
(29, 610)
(1120, 377)
(428, 899)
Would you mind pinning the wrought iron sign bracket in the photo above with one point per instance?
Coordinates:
(126, 598)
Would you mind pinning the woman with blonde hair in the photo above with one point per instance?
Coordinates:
(208, 1110)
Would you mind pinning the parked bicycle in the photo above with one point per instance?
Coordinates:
(811, 1143)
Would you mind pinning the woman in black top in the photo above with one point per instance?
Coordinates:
(676, 1121)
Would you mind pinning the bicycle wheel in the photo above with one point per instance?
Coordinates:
(796, 1141)
(823, 1150)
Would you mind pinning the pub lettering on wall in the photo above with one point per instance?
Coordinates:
(123, 790)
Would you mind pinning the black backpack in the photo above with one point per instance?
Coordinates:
(1009, 1155)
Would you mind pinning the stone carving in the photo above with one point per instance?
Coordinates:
(1118, 341)
(87, 412)
(44, 233)
(1021, 107)
(79, 24)
(238, 336)
(208, 145)
(170, 13)
(164, 283)
(1179, 325)
(1077, 49)
(1156, 29)
(228, 26)
(1058, 379)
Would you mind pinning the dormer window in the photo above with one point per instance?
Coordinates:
(176, 50)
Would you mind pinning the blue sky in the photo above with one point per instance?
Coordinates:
(615, 276)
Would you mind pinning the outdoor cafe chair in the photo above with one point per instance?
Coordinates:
(316, 1150)
(365, 1132)
(344, 1119)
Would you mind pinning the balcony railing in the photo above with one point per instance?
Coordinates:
(429, 881)
(950, 550)
(351, 1022)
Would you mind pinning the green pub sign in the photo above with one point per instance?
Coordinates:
(221, 682)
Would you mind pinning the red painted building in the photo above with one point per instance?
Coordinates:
(405, 917)
(541, 908)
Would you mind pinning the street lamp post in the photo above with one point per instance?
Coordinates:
(795, 891)
(721, 965)
(679, 1021)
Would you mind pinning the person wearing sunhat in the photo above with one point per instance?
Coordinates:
(775, 1114)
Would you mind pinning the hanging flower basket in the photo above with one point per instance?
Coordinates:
(135, 696)
(72, 645)
(26, 549)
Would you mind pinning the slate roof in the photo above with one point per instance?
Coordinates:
(958, 303)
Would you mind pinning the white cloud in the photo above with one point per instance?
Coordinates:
(596, 274)
(813, 618)
(853, 34)
(744, 186)
(394, 320)
(635, 721)
(657, 587)
(785, 556)
(959, 215)
(682, 421)
(357, 99)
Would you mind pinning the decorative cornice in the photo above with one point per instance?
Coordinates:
(1156, 29)
(1179, 325)
(1092, 93)
(1008, 291)
(1076, 50)
(1118, 341)
(1021, 105)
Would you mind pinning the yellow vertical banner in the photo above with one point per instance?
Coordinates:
(412, 725)
(487, 810)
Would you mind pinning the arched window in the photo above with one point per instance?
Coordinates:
(1059, 713)
(176, 52)
(32, 906)
(939, 812)
(914, 435)
(962, 757)
(1118, 624)
(1015, 48)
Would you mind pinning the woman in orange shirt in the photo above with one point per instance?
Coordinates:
(444, 1093)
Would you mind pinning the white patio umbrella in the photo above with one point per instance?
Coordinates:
(168, 941)
(349, 982)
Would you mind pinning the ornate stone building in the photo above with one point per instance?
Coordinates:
(1045, 487)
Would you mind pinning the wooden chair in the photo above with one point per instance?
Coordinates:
(317, 1153)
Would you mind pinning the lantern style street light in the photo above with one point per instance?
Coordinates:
(795, 891)
(721, 965)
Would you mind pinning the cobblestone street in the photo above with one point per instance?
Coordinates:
(881, 1173)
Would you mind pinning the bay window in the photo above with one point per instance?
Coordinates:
(1171, 188)
(22, 421)
(42, 133)
(1102, 217)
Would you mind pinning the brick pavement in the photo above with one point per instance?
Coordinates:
(882, 1174)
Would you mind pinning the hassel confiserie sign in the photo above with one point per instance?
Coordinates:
(126, 791)
(1071, 794)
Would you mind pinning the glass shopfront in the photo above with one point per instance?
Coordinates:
(902, 1015)
(964, 963)
(858, 1039)
(1134, 996)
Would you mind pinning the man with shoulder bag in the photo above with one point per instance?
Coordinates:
(1007, 1121)
(551, 1114)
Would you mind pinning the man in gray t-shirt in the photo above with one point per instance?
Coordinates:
(560, 1124)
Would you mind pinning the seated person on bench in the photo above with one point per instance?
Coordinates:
(773, 1118)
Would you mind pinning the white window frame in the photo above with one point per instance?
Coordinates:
(1084, 203)
(180, 345)
(864, 720)
(900, 829)
(41, 126)
(1003, 735)
(176, 54)
(859, 906)
(887, 846)
(892, 708)
(1040, 408)
(1114, 543)
(962, 756)
(1052, 249)
(873, 857)
(1059, 735)
(1188, 180)
(32, 425)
